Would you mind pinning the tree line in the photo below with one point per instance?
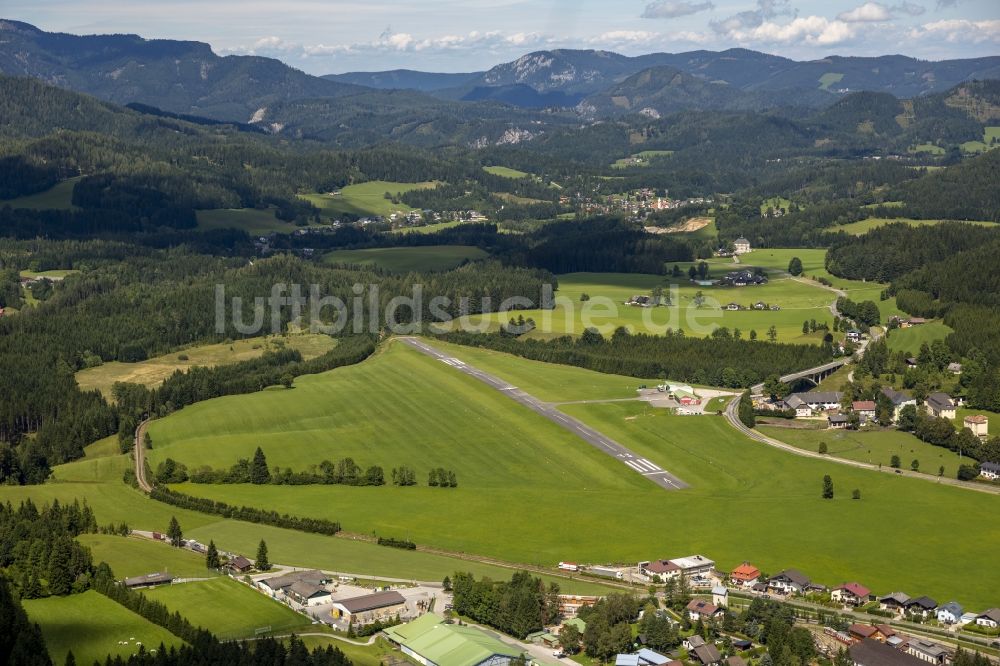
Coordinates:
(516, 607)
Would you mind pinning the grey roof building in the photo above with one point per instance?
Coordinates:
(870, 652)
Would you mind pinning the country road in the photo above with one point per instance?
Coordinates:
(633, 461)
(734, 420)
(139, 453)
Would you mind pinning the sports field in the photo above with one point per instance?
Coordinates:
(910, 339)
(227, 608)
(58, 197)
(506, 172)
(92, 626)
(864, 226)
(152, 372)
(135, 556)
(515, 472)
(365, 198)
(798, 302)
(254, 221)
(406, 259)
(876, 447)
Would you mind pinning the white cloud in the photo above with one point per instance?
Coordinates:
(766, 9)
(960, 31)
(675, 8)
(808, 30)
(869, 12)
(908, 8)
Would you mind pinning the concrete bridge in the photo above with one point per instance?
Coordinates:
(814, 375)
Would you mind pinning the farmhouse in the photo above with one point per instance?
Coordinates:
(950, 613)
(922, 606)
(895, 602)
(819, 401)
(239, 564)
(663, 568)
(854, 594)
(990, 470)
(741, 245)
(990, 618)
(864, 409)
(694, 565)
(743, 278)
(149, 580)
(700, 609)
(789, 581)
(872, 653)
(706, 655)
(370, 607)
(745, 575)
(978, 424)
(940, 405)
(432, 642)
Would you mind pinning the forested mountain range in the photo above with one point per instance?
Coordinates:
(405, 79)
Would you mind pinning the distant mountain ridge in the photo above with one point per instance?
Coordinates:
(405, 79)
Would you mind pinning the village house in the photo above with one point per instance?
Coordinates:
(663, 568)
(859, 632)
(741, 245)
(694, 565)
(955, 368)
(895, 602)
(813, 401)
(239, 564)
(978, 424)
(706, 655)
(990, 471)
(720, 596)
(789, 581)
(308, 594)
(950, 613)
(745, 575)
(990, 618)
(865, 409)
(940, 405)
(922, 606)
(898, 399)
(838, 421)
(692, 642)
(852, 594)
(700, 609)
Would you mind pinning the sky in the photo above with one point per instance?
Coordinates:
(323, 37)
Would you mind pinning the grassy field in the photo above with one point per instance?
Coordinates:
(798, 302)
(406, 259)
(91, 625)
(910, 339)
(429, 228)
(864, 226)
(539, 472)
(775, 203)
(227, 608)
(367, 655)
(927, 148)
(55, 274)
(103, 448)
(152, 372)
(135, 556)
(254, 221)
(59, 197)
(643, 156)
(875, 446)
(829, 79)
(506, 172)
(365, 198)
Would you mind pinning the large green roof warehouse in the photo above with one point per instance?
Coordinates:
(433, 643)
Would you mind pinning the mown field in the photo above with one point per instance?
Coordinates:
(608, 292)
(58, 197)
(515, 470)
(644, 157)
(864, 226)
(506, 172)
(406, 259)
(910, 339)
(135, 556)
(153, 371)
(254, 221)
(364, 198)
(227, 608)
(876, 447)
(91, 625)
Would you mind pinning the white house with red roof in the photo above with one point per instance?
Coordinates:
(854, 594)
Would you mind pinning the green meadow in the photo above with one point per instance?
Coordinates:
(254, 221)
(644, 157)
(227, 608)
(91, 625)
(910, 339)
(798, 301)
(58, 197)
(775, 203)
(506, 172)
(862, 227)
(516, 471)
(378, 653)
(135, 556)
(365, 198)
(405, 259)
(829, 79)
(871, 446)
(153, 371)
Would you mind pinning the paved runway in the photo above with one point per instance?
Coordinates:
(609, 446)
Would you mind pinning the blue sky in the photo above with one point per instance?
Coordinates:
(450, 35)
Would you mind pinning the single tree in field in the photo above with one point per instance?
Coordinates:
(805, 327)
(287, 380)
(262, 562)
(941, 470)
(772, 333)
(446, 583)
(915, 464)
(258, 468)
(822, 448)
(753, 334)
(174, 533)
(894, 462)
(795, 266)
(827, 487)
(856, 494)
(212, 556)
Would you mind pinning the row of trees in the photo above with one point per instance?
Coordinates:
(518, 607)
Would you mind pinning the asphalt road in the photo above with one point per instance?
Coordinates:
(634, 462)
